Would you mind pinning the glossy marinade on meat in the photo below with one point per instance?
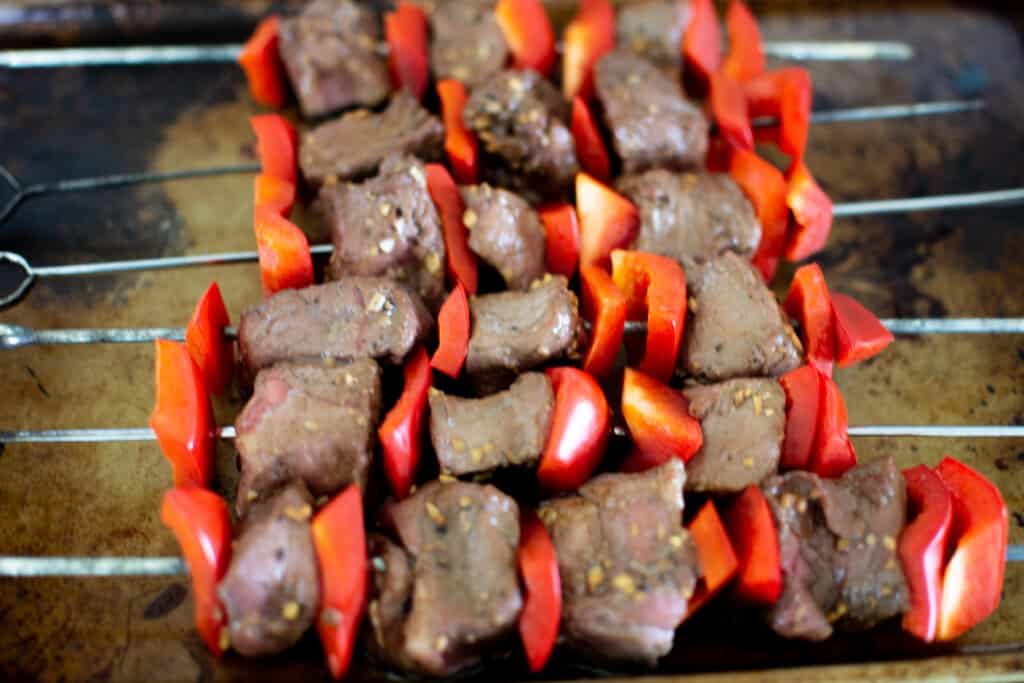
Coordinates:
(506, 233)
(466, 42)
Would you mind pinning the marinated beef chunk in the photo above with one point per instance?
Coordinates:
(465, 590)
(391, 583)
(837, 543)
(388, 226)
(691, 217)
(353, 146)
(628, 566)
(653, 29)
(506, 233)
(312, 423)
(743, 421)
(354, 317)
(520, 120)
(508, 428)
(466, 42)
(271, 590)
(652, 124)
(737, 328)
(330, 53)
(515, 331)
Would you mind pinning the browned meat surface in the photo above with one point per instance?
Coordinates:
(466, 42)
(652, 124)
(312, 423)
(653, 29)
(628, 566)
(742, 421)
(506, 233)
(388, 226)
(691, 217)
(353, 146)
(355, 317)
(508, 428)
(391, 583)
(330, 53)
(736, 328)
(271, 590)
(837, 543)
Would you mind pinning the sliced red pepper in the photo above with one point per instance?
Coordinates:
(756, 542)
(786, 94)
(809, 302)
(812, 215)
(200, 521)
(285, 260)
(655, 287)
(261, 62)
(765, 187)
(922, 549)
(833, 452)
(579, 430)
(607, 220)
(859, 334)
(277, 144)
(746, 53)
(400, 433)
(588, 37)
(729, 109)
(659, 419)
(718, 560)
(453, 333)
(340, 542)
(212, 351)
(459, 142)
(702, 47)
(604, 306)
(276, 194)
(405, 30)
(542, 604)
(461, 262)
(182, 418)
(563, 238)
(803, 388)
(528, 34)
(973, 580)
(590, 147)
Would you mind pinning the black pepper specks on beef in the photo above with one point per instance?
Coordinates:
(628, 567)
(330, 53)
(506, 233)
(466, 42)
(653, 29)
(388, 226)
(391, 584)
(652, 124)
(353, 146)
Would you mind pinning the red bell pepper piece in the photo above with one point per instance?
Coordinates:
(702, 47)
(579, 430)
(809, 302)
(182, 418)
(746, 53)
(459, 142)
(803, 388)
(542, 603)
(528, 34)
(922, 549)
(453, 333)
(859, 334)
(401, 430)
(340, 542)
(588, 37)
(461, 261)
(200, 521)
(786, 94)
(607, 220)
(765, 187)
(654, 286)
(756, 542)
(729, 109)
(718, 560)
(213, 352)
(589, 145)
(812, 215)
(405, 30)
(285, 260)
(973, 581)
(277, 144)
(833, 452)
(563, 238)
(276, 194)
(261, 62)
(659, 419)
(604, 306)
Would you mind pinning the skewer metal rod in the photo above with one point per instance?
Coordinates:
(893, 111)
(937, 203)
(835, 51)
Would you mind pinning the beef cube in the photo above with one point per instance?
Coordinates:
(330, 53)
(506, 233)
(355, 317)
(271, 590)
(628, 566)
(520, 120)
(312, 423)
(353, 146)
(737, 328)
(653, 29)
(466, 42)
(691, 217)
(388, 226)
(391, 583)
(743, 421)
(837, 544)
(508, 428)
(652, 124)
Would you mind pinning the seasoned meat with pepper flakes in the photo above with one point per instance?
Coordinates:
(506, 233)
